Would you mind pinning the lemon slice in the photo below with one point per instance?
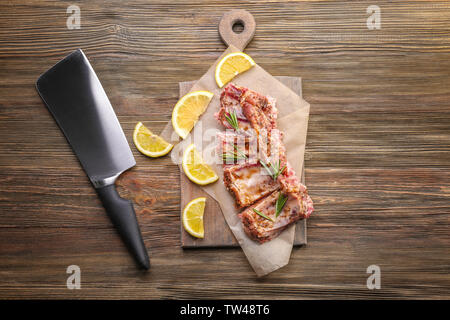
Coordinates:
(187, 111)
(195, 169)
(231, 65)
(193, 217)
(149, 143)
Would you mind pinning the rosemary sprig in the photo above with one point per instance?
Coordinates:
(232, 120)
(262, 214)
(279, 205)
(231, 157)
(237, 155)
(273, 170)
(269, 171)
(278, 171)
(240, 152)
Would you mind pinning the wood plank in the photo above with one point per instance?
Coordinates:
(217, 232)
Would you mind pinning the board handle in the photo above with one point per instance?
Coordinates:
(231, 18)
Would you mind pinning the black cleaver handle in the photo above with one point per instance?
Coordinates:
(122, 215)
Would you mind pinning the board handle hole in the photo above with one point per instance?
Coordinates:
(238, 26)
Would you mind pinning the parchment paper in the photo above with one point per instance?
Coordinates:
(293, 114)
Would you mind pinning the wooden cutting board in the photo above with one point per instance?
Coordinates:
(217, 232)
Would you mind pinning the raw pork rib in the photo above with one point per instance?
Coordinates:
(248, 183)
(231, 144)
(259, 176)
(229, 102)
(263, 230)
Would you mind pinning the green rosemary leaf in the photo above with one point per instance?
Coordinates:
(232, 120)
(276, 171)
(279, 172)
(281, 201)
(235, 120)
(242, 154)
(261, 214)
(231, 157)
(267, 168)
(276, 167)
(228, 159)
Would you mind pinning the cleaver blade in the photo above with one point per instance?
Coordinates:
(76, 99)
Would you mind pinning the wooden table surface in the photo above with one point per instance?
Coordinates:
(377, 155)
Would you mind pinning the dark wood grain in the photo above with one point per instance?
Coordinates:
(217, 232)
(377, 157)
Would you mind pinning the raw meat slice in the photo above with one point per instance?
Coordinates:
(253, 186)
(259, 110)
(262, 229)
(230, 102)
(288, 179)
(252, 109)
(235, 148)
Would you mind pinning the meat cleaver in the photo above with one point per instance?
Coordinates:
(77, 101)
